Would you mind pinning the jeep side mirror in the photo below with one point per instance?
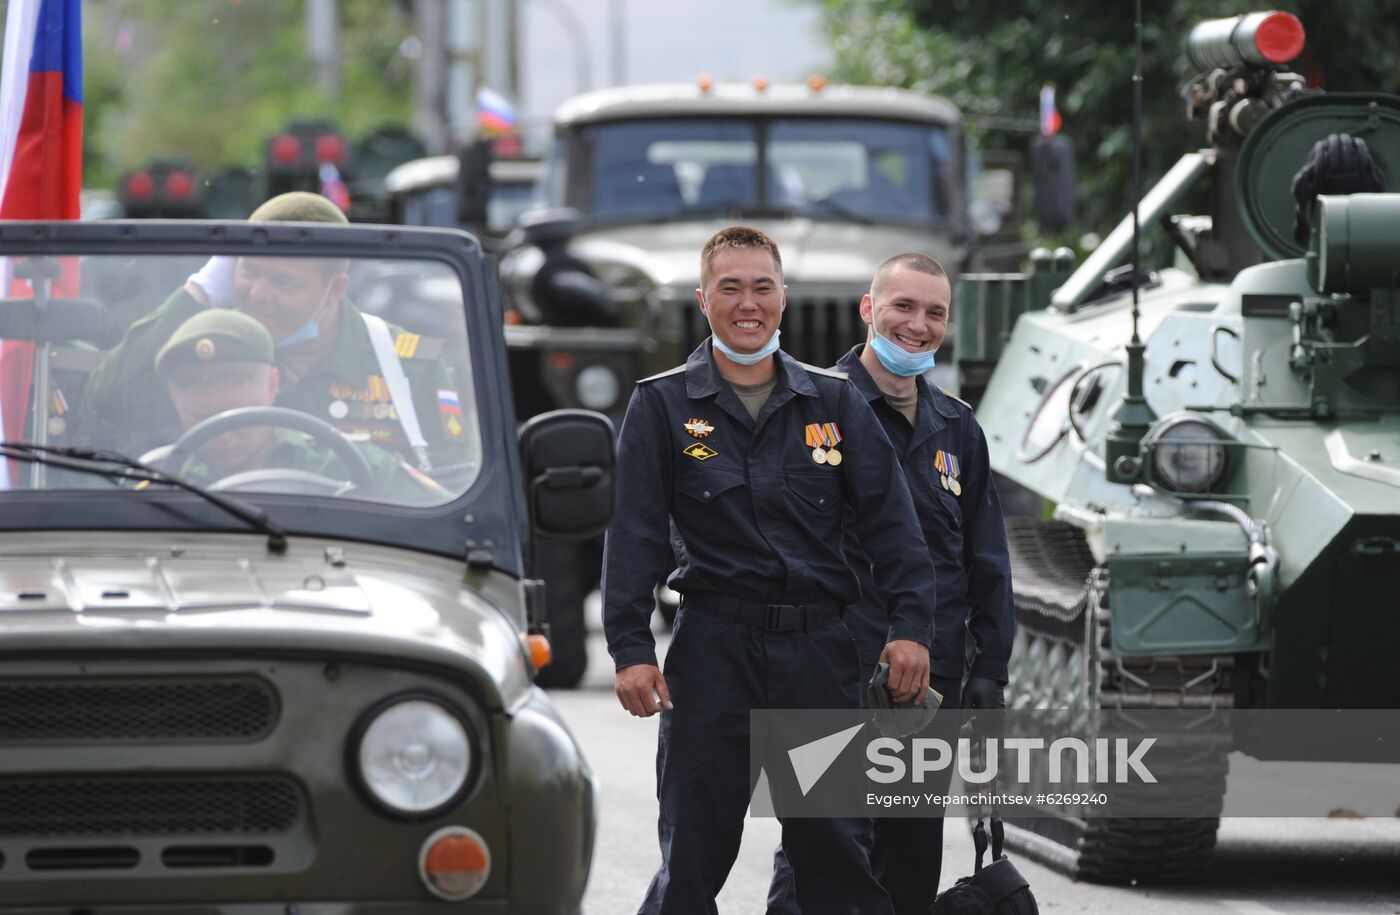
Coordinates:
(473, 183)
(570, 462)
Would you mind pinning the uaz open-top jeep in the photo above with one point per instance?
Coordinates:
(289, 679)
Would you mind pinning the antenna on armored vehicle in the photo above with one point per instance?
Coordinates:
(1133, 417)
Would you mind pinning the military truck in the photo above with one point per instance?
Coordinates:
(253, 683)
(841, 177)
(1217, 440)
(426, 192)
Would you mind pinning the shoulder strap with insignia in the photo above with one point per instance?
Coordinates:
(829, 373)
(951, 396)
(666, 374)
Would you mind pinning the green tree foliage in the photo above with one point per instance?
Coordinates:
(991, 57)
(212, 80)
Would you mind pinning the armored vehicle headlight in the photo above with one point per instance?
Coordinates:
(1188, 455)
(414, 756)
(596, 387)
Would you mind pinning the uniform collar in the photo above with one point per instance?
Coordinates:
(702, 378)
(858, 373)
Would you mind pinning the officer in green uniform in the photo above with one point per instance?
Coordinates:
(324, 350)
(221, 360)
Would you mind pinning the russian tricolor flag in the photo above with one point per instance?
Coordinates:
(494, 114)
(41, 153)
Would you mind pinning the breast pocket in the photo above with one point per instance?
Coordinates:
(706, 484)
(818, 492)
(951, 509)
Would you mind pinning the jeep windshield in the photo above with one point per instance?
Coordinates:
(320, 377)
(853, 169)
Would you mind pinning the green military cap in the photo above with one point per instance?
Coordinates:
(298, 206)
(213, 336)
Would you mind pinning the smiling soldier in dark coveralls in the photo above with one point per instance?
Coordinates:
(754, 456)
(944, 455)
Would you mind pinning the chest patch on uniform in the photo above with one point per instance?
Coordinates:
(699, 428)
(701, 452)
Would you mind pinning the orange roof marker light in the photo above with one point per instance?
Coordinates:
(705, 82)
(816, 82)
(454, 863)
(761, 83)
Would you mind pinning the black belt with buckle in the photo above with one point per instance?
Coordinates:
(771, 617)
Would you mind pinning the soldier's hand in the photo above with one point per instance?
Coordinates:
(642, 690)
(908, 662)
(982, 693)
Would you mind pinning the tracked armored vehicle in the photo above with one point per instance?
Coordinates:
(1222, 455)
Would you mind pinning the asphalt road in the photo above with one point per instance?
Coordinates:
(1262, 866)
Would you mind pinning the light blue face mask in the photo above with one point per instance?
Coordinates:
(899, 361)
(764, 351)
(310, 330)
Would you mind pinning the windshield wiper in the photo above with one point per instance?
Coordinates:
(112, 465)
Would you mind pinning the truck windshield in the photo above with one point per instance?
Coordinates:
(861, 169)
(323, 377)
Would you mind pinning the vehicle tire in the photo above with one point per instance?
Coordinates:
(562, 565)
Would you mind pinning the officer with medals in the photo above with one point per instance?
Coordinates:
(943, 453)
(221, 360)
(738, 451)
(336, 362)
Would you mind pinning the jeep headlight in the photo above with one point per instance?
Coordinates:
(596, 387)
(1188, 455)
(414, 756)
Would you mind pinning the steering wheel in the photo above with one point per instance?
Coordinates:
(301, 481)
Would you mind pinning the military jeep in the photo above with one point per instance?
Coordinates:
(265, 688)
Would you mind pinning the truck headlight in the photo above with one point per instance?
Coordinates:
(414, 756)
(1188, 455)
(596, 387)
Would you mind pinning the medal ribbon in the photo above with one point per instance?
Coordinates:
(814, 436)
(831, 435)
(940, 463)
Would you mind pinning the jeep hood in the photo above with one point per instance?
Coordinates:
(224, 594)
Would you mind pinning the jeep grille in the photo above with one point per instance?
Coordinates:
(232, 709)
(154, 806)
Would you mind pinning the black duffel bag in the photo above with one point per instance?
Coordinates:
(997, 889)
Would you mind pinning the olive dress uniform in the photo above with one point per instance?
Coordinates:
(215, 336)
(394, 480)
(126, 405)
(945, 462)
(764, 584)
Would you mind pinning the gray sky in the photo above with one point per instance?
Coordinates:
(665, 41)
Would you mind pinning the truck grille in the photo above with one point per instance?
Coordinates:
(817, 330)
(229, 709)
(134, 807)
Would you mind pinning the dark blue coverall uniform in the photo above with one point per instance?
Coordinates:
(764, 583)
(966, 538)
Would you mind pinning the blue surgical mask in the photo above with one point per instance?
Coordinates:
(304, 334)
(309, 331)
(899, 361)
(764, 352)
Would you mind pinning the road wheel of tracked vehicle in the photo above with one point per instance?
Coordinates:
(1063, 659)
